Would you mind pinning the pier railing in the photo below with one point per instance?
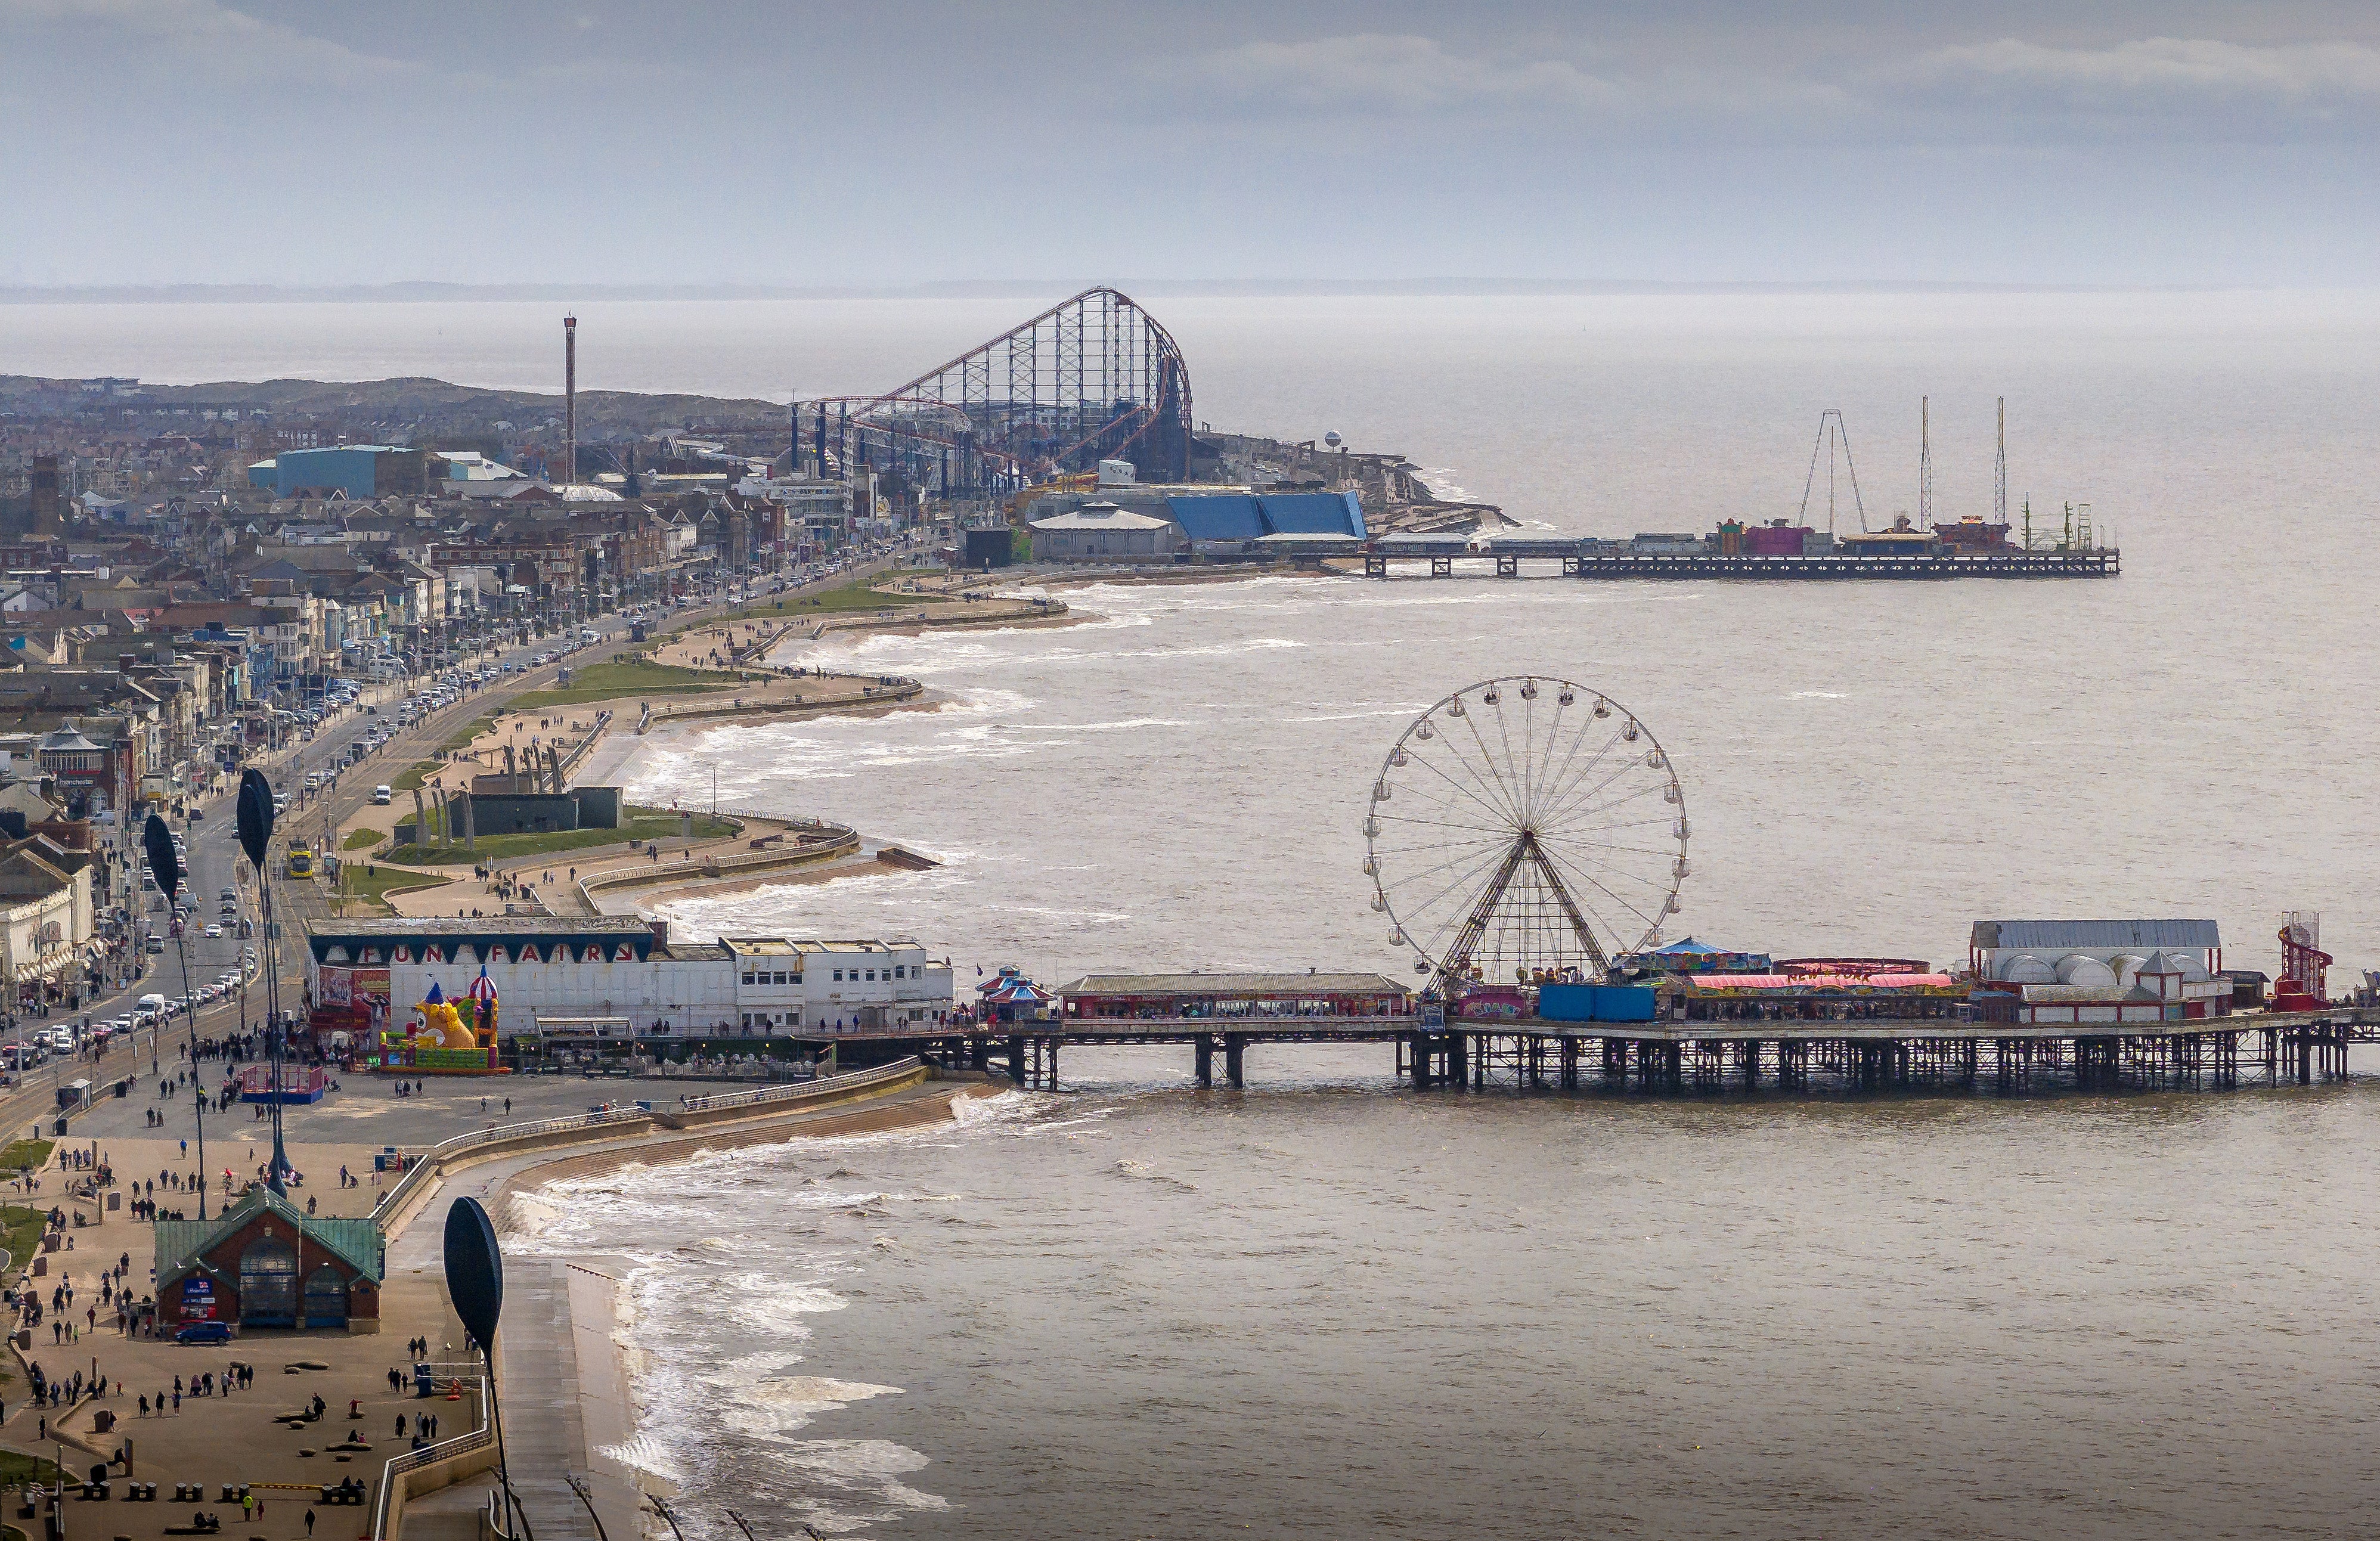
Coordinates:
(433, 1164)
(823, 1089)
(433, 1466)
(763, 1096)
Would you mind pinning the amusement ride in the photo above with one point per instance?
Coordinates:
(1525, 827)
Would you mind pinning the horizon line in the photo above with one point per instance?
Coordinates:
(432, 290)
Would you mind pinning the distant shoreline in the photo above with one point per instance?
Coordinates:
(1219, 288)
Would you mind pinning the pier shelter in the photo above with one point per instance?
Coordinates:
(1180, 997)
(265, 1262)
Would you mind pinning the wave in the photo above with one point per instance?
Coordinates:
(776, 1407)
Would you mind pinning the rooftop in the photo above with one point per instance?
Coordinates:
(1232, 986)
(2131, 935)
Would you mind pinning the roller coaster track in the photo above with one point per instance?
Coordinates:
(1092, 378)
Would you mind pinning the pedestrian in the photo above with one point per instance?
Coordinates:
(309, 1522)
(400, 1426)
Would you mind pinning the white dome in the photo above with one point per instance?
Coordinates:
(2128, 967)
(2026, 969)
(2082, 968)
(2189, 968)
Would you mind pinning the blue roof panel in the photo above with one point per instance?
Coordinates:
(1218, 516)
(1313, 513)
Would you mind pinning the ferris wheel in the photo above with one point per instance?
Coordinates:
(1525, 824)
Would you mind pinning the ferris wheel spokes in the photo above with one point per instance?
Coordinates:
(1506, 828)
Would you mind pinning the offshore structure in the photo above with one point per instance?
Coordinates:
(1092, 378)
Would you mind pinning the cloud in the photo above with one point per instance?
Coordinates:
(1378, 72)
(1404, 76)
(2157, 79)
(180, 33)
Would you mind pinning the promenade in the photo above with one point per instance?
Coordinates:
(564, 1383)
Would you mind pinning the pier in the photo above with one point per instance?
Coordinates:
(2261, 1048)
(1593, 559)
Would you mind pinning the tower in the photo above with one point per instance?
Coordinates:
(1926, 462)
(2000, 473)
(48, 523)
(569, 400)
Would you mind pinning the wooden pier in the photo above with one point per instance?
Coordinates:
(1675, 1058)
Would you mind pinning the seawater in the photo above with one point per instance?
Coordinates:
(1326, 1307)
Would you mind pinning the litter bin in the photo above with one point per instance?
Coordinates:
(425, 1380)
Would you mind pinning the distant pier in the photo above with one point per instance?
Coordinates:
(1435, 556)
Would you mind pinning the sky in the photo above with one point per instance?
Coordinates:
(906, 142)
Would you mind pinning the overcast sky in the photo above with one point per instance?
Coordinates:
(900, 140)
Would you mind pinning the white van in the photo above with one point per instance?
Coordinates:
(381, 794)
(151, 1002)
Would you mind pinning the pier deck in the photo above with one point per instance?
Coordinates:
(2264, 1048)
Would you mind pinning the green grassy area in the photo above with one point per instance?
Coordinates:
(362, 839)
(415, 777)
(850, 597)
(471, 730)
(25, 1153)
(643, 824)
(373, 885)
(21, 1229)
(19, 1470)
(622, 679)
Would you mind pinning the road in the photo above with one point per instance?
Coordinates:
(216, 863)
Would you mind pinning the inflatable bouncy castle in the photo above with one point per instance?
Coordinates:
(446, 1037)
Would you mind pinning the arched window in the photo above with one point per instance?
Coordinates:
(268, 1285)
(326, 1297)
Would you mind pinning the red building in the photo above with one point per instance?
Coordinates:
(265, 1262)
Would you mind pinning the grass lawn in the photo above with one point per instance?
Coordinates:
(473, 729)
(21, 1229)
(643, 824)
(19, 1470)
(635, 675)
(850, 597)
(25, 1153)
(362, 839)
(412, 778)
(372, 884)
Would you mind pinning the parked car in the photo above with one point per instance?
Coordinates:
(203, 1332)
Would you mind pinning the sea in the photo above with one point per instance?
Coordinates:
(1326, 1306)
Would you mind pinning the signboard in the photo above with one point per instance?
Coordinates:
(354, 992)
(368, 988)
(197, 1299)
(452, 1058)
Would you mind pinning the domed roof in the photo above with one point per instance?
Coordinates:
(2128, 967)
(2082, 968)
(2189, 968)
(2026, 969)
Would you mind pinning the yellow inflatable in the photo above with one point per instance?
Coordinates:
(442, 1026)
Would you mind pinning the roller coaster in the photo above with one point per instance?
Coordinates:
(1090, 379)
